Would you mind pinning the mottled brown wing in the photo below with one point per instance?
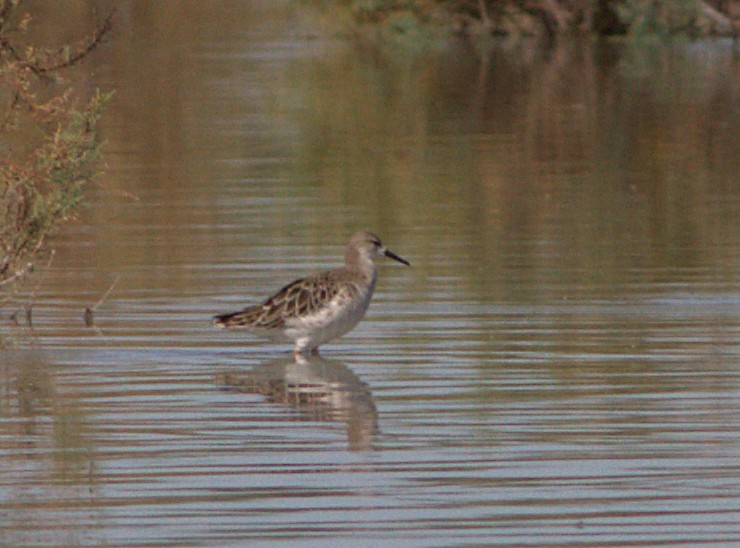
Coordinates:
(300, 298)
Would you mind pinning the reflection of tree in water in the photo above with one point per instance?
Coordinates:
(48, 456)
(322, 390)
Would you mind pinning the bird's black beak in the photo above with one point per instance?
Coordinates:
(390, 254)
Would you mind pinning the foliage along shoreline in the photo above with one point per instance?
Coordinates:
(548, 19)
(53, 149)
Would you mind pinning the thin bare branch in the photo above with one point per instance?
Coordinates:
(105, 295)
(83, 51)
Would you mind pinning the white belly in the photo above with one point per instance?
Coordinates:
(333, 321)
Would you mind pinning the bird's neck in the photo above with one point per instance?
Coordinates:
(361, 264)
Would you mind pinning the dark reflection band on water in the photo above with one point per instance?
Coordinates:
(320, 390)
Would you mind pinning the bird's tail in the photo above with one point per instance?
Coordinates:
(233, 320)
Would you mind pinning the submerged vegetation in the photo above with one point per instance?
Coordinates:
(548, 18)
(48, 140)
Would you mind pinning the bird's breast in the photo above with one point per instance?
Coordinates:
(340, 316)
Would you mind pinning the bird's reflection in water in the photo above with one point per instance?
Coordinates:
(323, 390)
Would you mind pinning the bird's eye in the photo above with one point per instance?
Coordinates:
(376, 243)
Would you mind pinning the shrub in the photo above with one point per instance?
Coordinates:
(54, 150)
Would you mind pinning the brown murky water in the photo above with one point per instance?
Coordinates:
(561, 365)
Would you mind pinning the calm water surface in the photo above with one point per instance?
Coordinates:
(560, 366)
